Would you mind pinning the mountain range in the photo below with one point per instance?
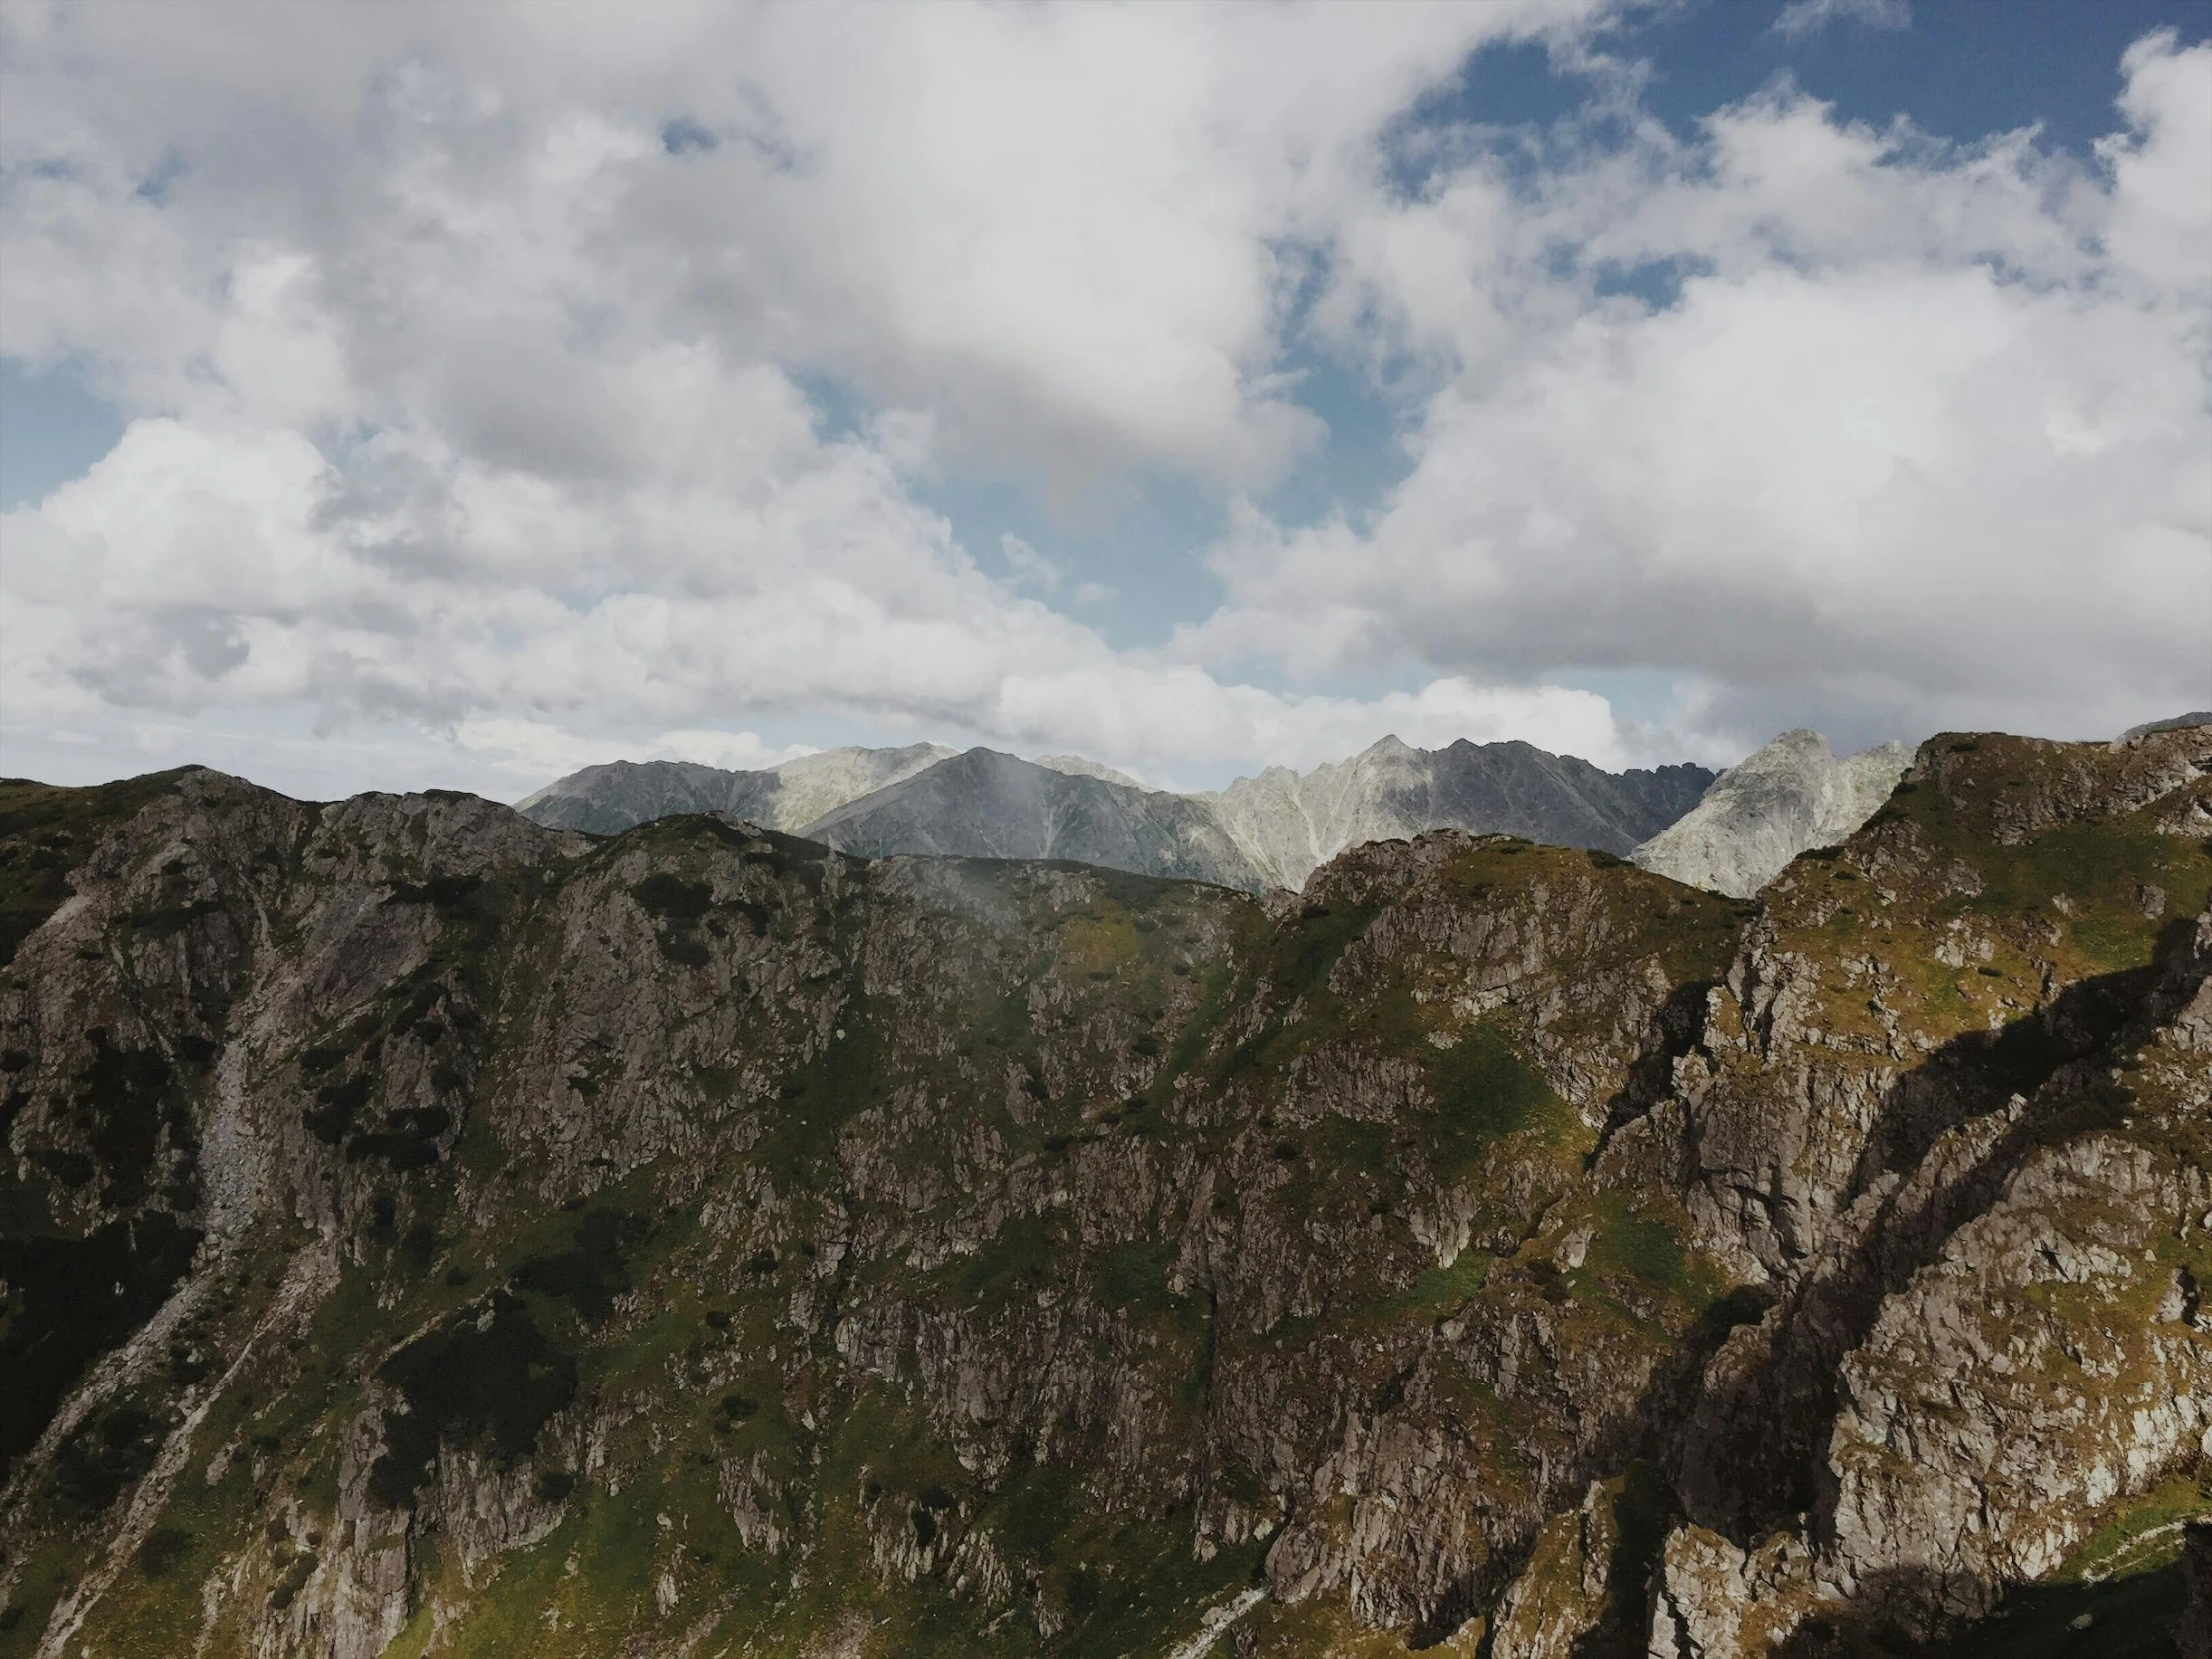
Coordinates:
(1272, 830)
(426, 1234)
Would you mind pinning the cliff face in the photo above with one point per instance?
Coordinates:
(425, 1232)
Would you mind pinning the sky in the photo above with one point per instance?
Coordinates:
(407, 396)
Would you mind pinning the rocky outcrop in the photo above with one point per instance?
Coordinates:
(1288, 825)
(1761, 813)
(1567, 1589)
(1976, 1178)
(422, 1226)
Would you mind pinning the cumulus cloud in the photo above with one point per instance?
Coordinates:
(476, 363)
(465, 348)
(1919, 437)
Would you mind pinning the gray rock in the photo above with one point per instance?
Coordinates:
(1791, 795)
(607, 800)
(2175, 723)
(1272, 830)
(985, 804)
(1287, 825)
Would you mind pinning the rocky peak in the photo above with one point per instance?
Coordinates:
(1789, 795)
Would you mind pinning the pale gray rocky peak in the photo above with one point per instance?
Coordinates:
(1075, 765)
(1289, 826)
(1272, 830)
(1781, 801)
(607, 800)
(985, 804)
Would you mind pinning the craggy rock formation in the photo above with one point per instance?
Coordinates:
(1272, 830)
(425, 1232)
(1288, 825)
(1791, 795)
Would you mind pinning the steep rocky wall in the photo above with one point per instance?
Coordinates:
(701, 1238)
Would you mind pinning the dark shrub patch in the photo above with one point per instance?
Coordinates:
(126, 1092)
(417, 1245)
(338, 1104)
(105, 1456)
(61, 1309)
(71, 1169)
(407, 1141)
(670, 898)
(159, 1549)
(589, 1277)
(186, 1365)
(554, 1485)
(294, 1581)
(683, 949)
(493, 1387)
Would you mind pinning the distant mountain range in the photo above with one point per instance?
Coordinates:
(1731, 832)
(1272, 830)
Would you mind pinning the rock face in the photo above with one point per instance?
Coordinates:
(1289, 826)
(1791, 795)
(423, 1230)
(1272, 830)
(607, 800)
(985, 805)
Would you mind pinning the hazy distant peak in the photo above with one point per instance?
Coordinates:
(605, 799)
(1075, 765)
(1783, 798)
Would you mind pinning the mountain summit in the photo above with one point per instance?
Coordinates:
(607, 800)
(1767, 809)
(1288, 825)
(1272, 830)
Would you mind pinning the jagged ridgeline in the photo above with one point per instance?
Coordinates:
(425, 1232)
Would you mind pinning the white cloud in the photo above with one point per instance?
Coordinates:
(1923, 441)
(477, 358)
(1804, 17)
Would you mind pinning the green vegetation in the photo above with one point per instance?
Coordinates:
(47, 832)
